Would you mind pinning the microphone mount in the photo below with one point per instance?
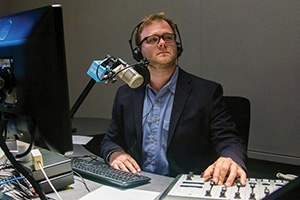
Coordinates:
(110, 74)
(107, 65)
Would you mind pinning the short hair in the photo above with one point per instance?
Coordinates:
(149, 20)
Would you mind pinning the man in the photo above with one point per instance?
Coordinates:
(175, 124)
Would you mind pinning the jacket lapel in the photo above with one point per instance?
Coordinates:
(182, 92)
(138, 99)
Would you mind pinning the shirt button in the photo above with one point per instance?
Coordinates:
(152, 141)
(156, 100)
(154, 121)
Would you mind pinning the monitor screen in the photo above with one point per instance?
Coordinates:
(33, 77)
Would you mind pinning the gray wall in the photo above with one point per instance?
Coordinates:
(3, 6)
(251, 47)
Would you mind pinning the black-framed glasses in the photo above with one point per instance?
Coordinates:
(154, 39)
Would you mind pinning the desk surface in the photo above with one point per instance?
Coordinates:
(157, 184)
(77, 190)
(96, 126)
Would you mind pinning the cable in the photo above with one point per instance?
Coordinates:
(11, 180)
(32, 132)
(288, 177)
(45, 175)
(17, 165)
(82, 180)
(14, 188)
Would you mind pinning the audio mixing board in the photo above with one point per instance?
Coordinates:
(189, 186)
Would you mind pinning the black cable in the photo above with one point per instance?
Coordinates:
(32, 132)
(17, 165)
(82, 180)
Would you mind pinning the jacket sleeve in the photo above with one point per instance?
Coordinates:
(225, 137)
(114, 138)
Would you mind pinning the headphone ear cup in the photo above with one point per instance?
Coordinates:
(143, 70)
(179, 49)
(137, 54)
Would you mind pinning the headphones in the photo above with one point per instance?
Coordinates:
(137, 52)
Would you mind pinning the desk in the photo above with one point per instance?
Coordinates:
(96, 127)
(77, 190)
(158, 183)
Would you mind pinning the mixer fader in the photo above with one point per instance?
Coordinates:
(190, 186)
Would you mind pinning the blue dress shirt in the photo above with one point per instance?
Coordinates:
(156, 118)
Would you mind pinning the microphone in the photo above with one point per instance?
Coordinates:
(107, 69)
(129, 75)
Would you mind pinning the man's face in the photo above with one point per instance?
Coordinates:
(161, 54)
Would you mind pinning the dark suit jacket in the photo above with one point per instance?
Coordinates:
(200, 129)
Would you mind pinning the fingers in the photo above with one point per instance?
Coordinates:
(124, 162)
(243, 176)
(232, 175)
(220, 172)
(208, 172)
(225, 171)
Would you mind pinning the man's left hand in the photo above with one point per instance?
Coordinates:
(225, 171)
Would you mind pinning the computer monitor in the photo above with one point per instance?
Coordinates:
(33, 77)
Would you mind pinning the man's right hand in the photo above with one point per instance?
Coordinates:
(123, 161)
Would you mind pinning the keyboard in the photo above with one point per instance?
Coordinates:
(100, 171)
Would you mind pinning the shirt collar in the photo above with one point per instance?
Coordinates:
(171, 84)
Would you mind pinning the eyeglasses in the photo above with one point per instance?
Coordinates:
(154, 39)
